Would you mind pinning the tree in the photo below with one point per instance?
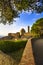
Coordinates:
(22, 31)
(37, 28)
(10, 8)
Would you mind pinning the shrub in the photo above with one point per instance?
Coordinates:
(10, 46)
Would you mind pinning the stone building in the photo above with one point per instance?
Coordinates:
(14, 35)
(22, 31)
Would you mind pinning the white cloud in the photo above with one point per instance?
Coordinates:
(33, 20)
(13, 28)
(28, 12)
(37, 14)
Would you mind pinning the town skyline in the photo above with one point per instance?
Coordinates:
(26, 19)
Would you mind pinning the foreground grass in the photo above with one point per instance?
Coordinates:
(17, 55)
(13, 48)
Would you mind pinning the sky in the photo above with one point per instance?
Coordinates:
(26, 19)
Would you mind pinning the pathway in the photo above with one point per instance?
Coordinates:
(27, 58)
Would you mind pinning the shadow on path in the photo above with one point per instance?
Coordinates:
(37, 46)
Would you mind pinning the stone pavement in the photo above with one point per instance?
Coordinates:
(27, 58)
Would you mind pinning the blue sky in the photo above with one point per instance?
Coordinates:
(26, 19)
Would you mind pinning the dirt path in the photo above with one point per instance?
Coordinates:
(27, 58)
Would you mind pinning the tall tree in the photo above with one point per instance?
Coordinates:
(10, 9)
(37, 28)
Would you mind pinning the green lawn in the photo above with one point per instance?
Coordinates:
(13, 48)
(10, 46)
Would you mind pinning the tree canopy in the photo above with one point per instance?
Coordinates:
(10, 9)
(37, 28)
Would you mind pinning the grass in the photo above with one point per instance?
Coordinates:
(17, 55)
(13, 48)
(10, 46)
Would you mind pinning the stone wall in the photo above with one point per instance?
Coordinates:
(27, 58)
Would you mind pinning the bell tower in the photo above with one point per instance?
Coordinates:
(28, 29)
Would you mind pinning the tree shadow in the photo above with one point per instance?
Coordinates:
(13, 49)
(17, 55)
(37, 47)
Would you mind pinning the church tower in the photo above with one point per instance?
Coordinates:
(28, 29)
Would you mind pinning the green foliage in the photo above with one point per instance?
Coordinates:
(7, 11)
(9, 14)
(27, 5)
(10, 8)
(37, 28)
(11, 46)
